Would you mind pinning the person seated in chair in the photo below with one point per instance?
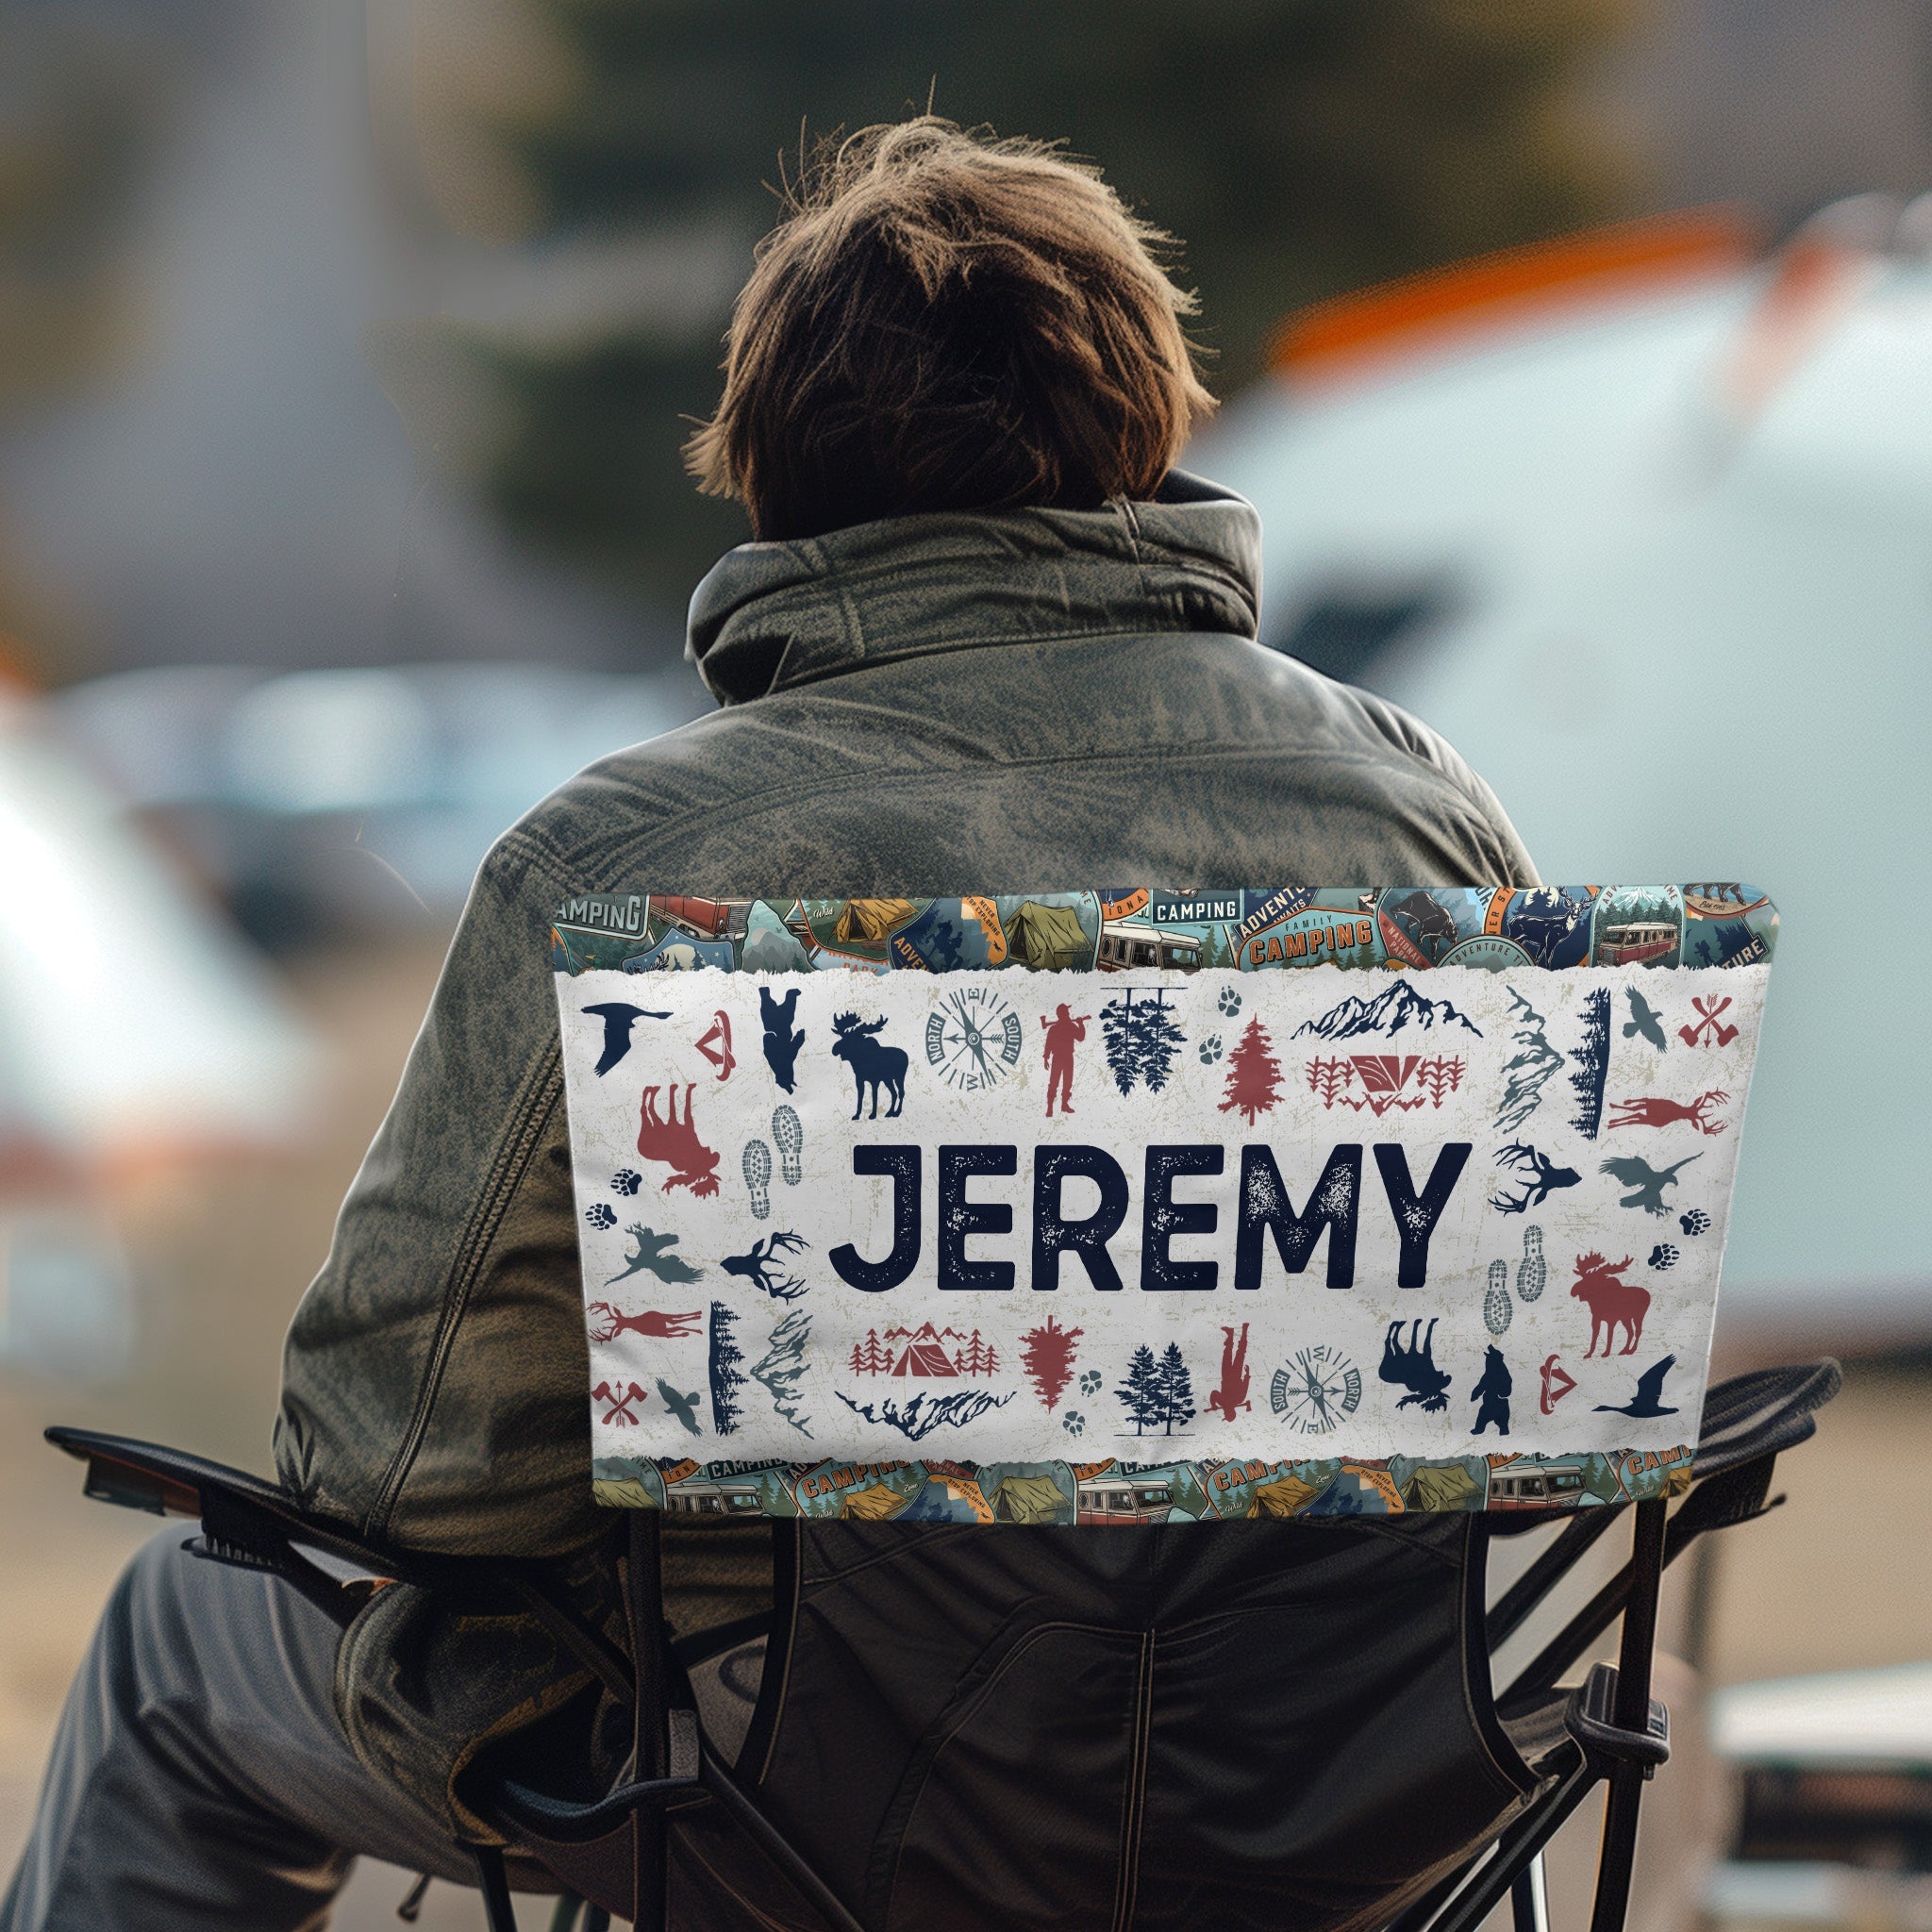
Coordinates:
(988, 635)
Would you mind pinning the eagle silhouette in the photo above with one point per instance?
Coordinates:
(618, 1020)
(1641, 1405)
(1645, 1019)
(686, 1410)
(1648, 1182)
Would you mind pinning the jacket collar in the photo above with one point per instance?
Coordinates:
(772, 615)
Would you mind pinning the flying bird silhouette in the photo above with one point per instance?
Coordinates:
(1643, 1405)
(1644, 1019)
(684, 1407)
(618, 1020)
(1648, 1181)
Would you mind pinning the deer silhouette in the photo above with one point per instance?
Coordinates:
(764, 1269)
(1651, 1112)
(1413, 1367)
(873, 1065)
(609, 1322)
(1613, 1304)
(1539, 1175)
(782, 1038)
(675, 1141)
(1232, 1397)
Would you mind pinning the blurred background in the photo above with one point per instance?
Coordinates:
(1579, 354)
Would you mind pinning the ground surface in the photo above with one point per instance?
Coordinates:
(1838, 1579)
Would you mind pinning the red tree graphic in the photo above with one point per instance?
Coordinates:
(1441, 1076)
(1253, 1074)
(977, 1357)
(1048, 1356)
(1328, 1078)
(868, 1357)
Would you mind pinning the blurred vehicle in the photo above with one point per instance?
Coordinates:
(138, 1033)
(1642, 523)
(329, 803)
(1835, 1785)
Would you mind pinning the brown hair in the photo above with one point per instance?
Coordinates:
(943, 320)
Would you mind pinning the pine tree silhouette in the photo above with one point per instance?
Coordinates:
(1142, 1391)
(1175, 1388)
(869, 1358)
(1141, 1040)
(1253, 1074)
(1047, 1353)
(727, 1380)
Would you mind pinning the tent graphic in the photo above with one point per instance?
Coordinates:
(925, 1352)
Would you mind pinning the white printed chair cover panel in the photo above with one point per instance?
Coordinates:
(1143, 1206)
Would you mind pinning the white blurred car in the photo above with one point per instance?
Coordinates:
(1643, 524)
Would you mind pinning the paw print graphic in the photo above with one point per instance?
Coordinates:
(1090, 1382)
(1210, 1049)
(1696, 1222)
(1074, 1423)
(1663, 1255)
(1230, 1001)
(601, 1214)
(626, 1181)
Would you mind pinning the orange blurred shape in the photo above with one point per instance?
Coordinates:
(1358, 334)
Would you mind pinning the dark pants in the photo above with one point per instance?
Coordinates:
(199, 1779)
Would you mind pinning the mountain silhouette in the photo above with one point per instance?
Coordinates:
(1390, 1011)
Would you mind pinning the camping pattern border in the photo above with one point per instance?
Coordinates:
(1705, 926)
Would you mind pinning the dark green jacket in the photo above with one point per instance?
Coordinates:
(940, 703)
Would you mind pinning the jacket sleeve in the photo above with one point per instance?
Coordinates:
(434, 1377)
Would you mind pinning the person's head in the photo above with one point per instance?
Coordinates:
(948, 322)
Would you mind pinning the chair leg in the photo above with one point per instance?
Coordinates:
(1529, 1902)
(650, 1867)
(1618, 1856)
(493, 1882)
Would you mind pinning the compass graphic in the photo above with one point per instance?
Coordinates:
(1316, 1389)
(973, 1038)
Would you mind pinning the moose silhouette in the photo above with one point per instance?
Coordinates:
(675, 1141)
(1413, 1367)
(874, 1064)
(1613, 1304)
(782, 1038)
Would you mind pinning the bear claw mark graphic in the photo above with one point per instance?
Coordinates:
(1663, 1255)
(1694, 1222)
(626, 1180)
(601, 1214)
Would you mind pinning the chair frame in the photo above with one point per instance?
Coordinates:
(1616, 1733)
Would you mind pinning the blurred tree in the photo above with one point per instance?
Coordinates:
(1298, 147)
(71, 128)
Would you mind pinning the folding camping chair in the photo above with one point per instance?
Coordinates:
(1148, 1719)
